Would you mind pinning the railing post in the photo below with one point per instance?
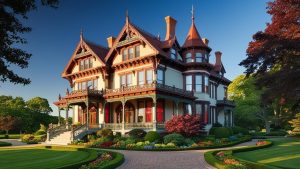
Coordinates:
(67, 117)
(59, 117)
(123, 116)
(154, 114)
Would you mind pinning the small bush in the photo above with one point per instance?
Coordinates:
(137, 133)
(104, 132)
(212, 130)
(217, 124)
(238, 130)
(188, 142)
(152, 136)
(222, 132)
(30, 139)
(175, 138)
(40, 132)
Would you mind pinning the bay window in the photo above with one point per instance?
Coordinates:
(189, 82)
(160, 76)
(198, 83)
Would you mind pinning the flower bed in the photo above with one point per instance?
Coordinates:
(105, 160)
(188, 144)
(225, 160)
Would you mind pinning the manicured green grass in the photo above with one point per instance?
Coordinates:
(285, 153)
(40, 157)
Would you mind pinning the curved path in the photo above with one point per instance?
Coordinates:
(192, 159)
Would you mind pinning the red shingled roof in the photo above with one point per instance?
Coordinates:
(193, 38)
(99, 50)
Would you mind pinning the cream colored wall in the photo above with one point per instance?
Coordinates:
(133, 71)
(75, 68)
(144, 51)
(173, 78)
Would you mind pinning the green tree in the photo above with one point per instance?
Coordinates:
(11, 11)
(39, 104)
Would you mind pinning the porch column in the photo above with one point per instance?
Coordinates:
(231, 113)
(123, 116)
(97, 113)
(103, 111)
(59, 116)
(87, 114)
(154, 115)
(67, 117)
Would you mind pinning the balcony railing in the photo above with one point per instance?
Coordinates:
(147, 87)
(87, 92)
(129, 126)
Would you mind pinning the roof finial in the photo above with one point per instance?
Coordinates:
(81, 34)
(193, 17)
(127, 17)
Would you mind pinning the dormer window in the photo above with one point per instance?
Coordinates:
(188, 58)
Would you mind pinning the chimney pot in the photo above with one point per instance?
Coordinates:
(205, 41)
(171, 27)
(218, 55)
(110, 41)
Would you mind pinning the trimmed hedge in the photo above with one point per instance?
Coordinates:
(212, 160)
(152, 136)
(2, 144)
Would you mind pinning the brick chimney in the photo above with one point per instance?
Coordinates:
(218, 55)
(205, 41)
(110, 41)
(171, 25)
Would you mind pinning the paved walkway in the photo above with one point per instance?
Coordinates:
(14, 142)
(193, 159)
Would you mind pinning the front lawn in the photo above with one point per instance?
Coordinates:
(285, 153)
(41, 157)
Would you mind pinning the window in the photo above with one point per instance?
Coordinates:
(198, 83)
(137, 51)
(188, 109)
(141, 111)
(83, 85)
(124, 54)
(199, 109)
(149, 76)
(90, 62)
(160, 76)
(206, 84)
(212, 115)
(188, 58)
(188, 83)
(123, 80)
(90, 84)
(141, 77)
(225, 92)
(95, 84)
(199, 57)
(86, 64)
(129, 79)
(131, 54)
(81, 67)
(173, 53)
(213, 91)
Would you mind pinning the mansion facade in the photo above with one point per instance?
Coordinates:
(141, 81)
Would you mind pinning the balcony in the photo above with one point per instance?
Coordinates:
(149, 88)
(78, 96)
(225, 102)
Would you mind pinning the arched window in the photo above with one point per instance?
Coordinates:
(188, 58)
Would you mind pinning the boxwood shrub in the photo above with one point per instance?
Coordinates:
(175, 138)
(222, 132)
(152, 136)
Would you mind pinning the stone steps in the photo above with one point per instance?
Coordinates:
(61, 139)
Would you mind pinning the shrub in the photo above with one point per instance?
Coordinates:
(212, 130)
(222, 132)
(188, 142)
(104, 132)
(137, 133)
(40, 132)
(238, 130)
(30, 139)
(217, 124)
(118, 135)
(152, 136)
(188, 125)
(130, 140)
(106, 144)
(175, 138)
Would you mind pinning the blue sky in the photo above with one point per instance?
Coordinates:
(229, 26)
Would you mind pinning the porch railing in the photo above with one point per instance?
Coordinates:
(84, 92)
(78, 131)
(55, 130)
(151, 86)
(138, 125)
(113, 126)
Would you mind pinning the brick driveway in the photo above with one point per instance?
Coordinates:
(193, 159)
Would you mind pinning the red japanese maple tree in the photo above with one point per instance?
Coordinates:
(188, 125)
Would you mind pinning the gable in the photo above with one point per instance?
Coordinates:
(84, 50)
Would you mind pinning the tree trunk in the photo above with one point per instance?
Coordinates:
(268, 124)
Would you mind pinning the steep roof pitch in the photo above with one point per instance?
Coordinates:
(193, 38)
(152, 41)
(97, 50)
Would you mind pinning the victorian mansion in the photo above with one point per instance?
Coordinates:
(140, 81)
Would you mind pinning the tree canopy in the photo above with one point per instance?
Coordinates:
(274, 54)
(39, 104)
(11, 28)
